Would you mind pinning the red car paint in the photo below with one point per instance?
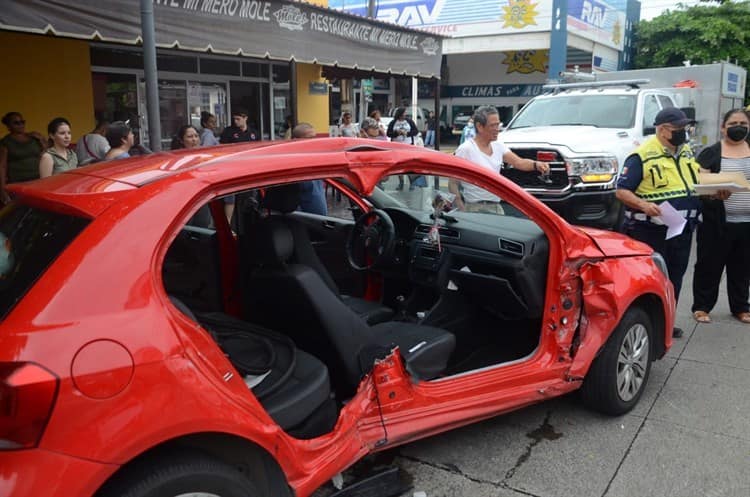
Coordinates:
(134, 373)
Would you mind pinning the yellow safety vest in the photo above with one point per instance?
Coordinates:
(663, 177)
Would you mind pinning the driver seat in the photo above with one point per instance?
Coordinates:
(284, 200)
(294, 300)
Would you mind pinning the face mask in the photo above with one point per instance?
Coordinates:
(737, 133)
(679, 136)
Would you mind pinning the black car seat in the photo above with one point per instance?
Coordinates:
(294, 299)
(292, 385)
(284, 200)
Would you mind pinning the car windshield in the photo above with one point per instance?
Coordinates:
(30, 240)
(601, 111)
(424, 193)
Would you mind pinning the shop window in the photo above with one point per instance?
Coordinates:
(177, 63)
(280, 73)
(220, 66)
(208, 97)
(115, 97)
(254, 70)
(113, 57)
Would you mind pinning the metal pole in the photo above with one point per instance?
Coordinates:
(293, 95)
(371, 9)
(414, 89)
(558, 40)
(150, 74)
(438, 108)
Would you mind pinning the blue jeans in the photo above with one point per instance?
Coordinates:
(429, 137)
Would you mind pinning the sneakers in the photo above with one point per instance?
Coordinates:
(677, 332)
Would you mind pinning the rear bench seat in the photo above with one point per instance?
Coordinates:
(295, 391)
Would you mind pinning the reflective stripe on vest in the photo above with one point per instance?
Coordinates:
(663, 177)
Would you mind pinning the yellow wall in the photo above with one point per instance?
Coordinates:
(45, 77)
(311, 109)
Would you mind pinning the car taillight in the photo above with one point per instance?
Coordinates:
(546, 156)
(27, 395)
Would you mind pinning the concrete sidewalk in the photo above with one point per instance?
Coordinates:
(688, 437)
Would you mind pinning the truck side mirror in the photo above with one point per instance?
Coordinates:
(689, 112)
(649, 130)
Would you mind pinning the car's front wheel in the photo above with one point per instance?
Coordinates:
(618, 376)
(178, 475)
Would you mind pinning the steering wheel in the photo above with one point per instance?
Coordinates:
(370, 241)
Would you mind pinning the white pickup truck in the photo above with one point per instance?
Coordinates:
(585, 130)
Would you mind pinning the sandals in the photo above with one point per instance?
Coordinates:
(743, 317)
(703, 317)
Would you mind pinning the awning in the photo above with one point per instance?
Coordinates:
(277, 29)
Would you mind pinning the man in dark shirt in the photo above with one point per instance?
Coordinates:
(239, 131)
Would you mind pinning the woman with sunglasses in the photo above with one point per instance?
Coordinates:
(19, 153)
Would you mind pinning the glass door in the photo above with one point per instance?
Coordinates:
(208, 97)
(248, 96)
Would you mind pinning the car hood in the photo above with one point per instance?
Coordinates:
(614, 244)
(579, 139)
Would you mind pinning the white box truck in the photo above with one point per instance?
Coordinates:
(586, 130)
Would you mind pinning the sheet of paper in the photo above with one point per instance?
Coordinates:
(712, 188)
(672, 219)
(727, 178)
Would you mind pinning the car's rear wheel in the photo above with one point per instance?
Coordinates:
(180, 475)
(618, 376)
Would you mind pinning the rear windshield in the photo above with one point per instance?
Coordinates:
(30, 240)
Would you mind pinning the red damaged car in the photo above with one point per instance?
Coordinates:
(177, 323)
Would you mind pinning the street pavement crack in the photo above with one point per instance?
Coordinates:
(648, 413)
(452, 468)
(545, 432)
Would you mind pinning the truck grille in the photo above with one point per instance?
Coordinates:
(530, 179)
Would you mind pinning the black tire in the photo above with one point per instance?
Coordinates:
(173, 474)
(615, 381)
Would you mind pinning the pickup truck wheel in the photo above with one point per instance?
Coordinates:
(181, 475)
(618, 376)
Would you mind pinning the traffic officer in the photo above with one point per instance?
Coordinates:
(662, 169)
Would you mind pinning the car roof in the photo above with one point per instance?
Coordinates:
(89, 190)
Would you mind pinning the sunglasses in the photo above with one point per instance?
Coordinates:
(22, 121)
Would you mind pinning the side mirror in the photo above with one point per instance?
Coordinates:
(649, 130)
(689, 112)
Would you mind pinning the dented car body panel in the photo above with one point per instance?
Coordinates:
(135, 374)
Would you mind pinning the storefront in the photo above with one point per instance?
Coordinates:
(268, 57)
(188, 85)
(497, 51)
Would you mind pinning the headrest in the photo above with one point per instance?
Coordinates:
(272, 242)
(284, 198)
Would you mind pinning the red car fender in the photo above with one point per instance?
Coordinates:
(609, 288)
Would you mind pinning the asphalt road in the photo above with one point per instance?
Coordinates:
(688, 437)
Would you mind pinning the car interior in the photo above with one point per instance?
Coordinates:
(316, 300)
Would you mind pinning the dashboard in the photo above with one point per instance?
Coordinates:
(498, 262)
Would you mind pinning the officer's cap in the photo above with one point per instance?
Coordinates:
(673, 116)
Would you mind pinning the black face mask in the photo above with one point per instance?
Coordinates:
(679, 136)
(737, 133)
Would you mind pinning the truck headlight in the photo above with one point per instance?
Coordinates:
(593, 169)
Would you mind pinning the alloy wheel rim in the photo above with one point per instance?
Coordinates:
(632, 362)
